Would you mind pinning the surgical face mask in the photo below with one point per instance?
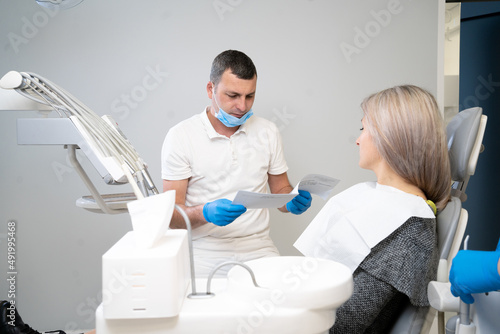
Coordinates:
(229, 120)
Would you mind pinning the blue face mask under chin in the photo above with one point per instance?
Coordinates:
(229, 120)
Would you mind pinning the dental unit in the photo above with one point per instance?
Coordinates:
(149, 282)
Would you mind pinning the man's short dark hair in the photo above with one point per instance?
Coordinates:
(239, 63)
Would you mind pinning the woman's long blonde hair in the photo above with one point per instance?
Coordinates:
(408, 131)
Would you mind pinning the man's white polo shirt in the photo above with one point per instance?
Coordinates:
(217, 167)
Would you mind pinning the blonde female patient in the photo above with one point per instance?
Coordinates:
(385, 231)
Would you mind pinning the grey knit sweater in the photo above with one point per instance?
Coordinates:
(397, 269)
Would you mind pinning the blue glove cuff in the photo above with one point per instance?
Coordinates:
(492, 268)
(205, 212)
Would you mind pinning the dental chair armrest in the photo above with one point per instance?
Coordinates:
(442, 271)
(440, 297)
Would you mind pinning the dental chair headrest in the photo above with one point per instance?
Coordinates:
(462, 132)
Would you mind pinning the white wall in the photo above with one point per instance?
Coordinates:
(102, 51)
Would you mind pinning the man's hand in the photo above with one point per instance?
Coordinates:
(222, 212)
(300, 203)
(474, 272)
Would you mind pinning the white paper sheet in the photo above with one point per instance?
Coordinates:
(253, 200)
(317, 184)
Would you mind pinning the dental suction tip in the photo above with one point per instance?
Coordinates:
(11, 80)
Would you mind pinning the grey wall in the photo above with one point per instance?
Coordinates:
(316, 60)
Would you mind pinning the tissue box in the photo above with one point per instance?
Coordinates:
(139, 283)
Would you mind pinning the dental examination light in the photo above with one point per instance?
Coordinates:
(78, 126)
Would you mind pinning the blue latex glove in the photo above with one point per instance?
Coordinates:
(300, 203)
(474, 272)
(222, 212)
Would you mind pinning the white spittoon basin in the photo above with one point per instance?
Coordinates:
(295, 294)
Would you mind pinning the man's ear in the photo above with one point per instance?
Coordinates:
(210, 89)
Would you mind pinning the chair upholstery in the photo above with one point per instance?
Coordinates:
(462, 133)
(465, 135)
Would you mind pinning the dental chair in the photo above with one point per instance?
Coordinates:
(465, 135)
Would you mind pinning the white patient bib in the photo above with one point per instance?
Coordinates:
(356, 220)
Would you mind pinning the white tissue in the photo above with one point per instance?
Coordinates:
(151, 217)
